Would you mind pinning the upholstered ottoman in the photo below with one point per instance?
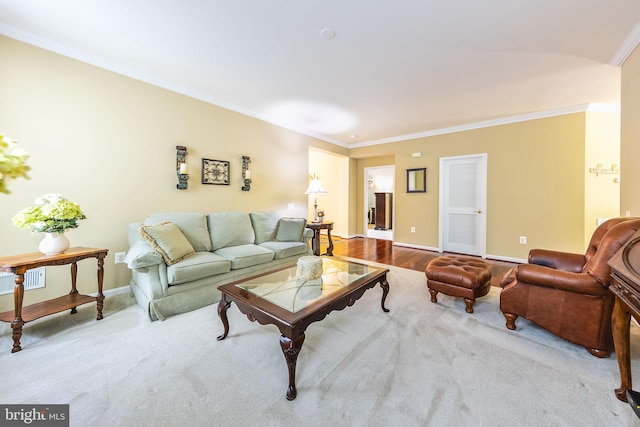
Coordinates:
(459, 276)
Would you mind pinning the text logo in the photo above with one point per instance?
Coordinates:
(34, 415)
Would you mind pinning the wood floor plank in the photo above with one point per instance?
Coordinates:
(384, 252)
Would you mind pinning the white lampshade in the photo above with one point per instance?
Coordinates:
(315, 187)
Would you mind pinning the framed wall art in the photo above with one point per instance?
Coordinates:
(215, 172)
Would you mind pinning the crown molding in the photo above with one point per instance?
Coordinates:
(99, 62)
(627, 47)
(594, 107)
(6, 30)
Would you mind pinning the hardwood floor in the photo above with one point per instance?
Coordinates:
(384, 252)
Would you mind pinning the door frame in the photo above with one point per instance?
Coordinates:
(378, 234)
(482, 199)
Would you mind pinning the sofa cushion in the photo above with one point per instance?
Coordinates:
(265, 225)
(168, 240)
(142, 255)
(290, 229)
(230, 229)
(286, 249)
(198, 266)
(245, 255)
(192, 224)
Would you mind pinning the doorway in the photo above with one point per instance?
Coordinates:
(463, 200)
(379, 182)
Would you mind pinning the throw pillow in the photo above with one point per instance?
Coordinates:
(168, 240)
(290, 229)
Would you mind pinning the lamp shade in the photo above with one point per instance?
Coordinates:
(315, 187)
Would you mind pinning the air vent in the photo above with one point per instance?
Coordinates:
(33, 279)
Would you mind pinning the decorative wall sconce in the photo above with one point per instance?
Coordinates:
(613, 170)
(181, 167)
(246, 173)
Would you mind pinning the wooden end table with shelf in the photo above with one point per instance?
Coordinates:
(19, 264)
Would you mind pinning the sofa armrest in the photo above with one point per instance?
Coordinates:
(537, 275)
(307, 234)
(141, 255)
(559, 260)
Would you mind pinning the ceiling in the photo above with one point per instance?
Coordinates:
(392, 70)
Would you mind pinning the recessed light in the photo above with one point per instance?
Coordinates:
(354, 136)
(327, 34)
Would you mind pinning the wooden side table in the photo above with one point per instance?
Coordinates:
(19, 264)
(315, 242)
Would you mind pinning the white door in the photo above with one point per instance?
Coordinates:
(463, 194)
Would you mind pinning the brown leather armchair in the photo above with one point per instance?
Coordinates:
(567, 293)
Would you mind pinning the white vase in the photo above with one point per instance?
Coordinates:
(54, 243)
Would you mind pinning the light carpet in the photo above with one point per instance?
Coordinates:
(420, 364)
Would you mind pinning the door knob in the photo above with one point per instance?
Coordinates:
(478, 211)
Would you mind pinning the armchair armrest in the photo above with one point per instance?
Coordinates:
(142, 255)
(537, 275)
(559, 260)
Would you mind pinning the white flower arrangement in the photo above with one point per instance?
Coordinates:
(52, 213)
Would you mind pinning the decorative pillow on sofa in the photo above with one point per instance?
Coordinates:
(192, 224)
(290, 229)
(168, 240)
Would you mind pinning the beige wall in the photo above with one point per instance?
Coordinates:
(535, 184)
(333, 171)
(602, 145)
(630, 136)
(108, 143)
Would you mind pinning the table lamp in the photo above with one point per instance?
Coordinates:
(315, 187)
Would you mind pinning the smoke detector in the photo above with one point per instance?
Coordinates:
(327, 34)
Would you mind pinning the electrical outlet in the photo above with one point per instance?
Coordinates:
(523, 240)
(413, 229)
(119, 256)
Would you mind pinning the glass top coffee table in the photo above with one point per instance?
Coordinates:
(279, 298)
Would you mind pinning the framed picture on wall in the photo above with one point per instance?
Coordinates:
(215, 172)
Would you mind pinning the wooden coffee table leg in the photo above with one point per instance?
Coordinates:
(223, 305)
(291, 348)
(385, 291)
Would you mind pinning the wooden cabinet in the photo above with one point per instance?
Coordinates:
(384, 214)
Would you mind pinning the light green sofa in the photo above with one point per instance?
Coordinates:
(227, 246)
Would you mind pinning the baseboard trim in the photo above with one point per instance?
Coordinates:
(353, 236)
(409, 245)
(116, 291)
(507, 259)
